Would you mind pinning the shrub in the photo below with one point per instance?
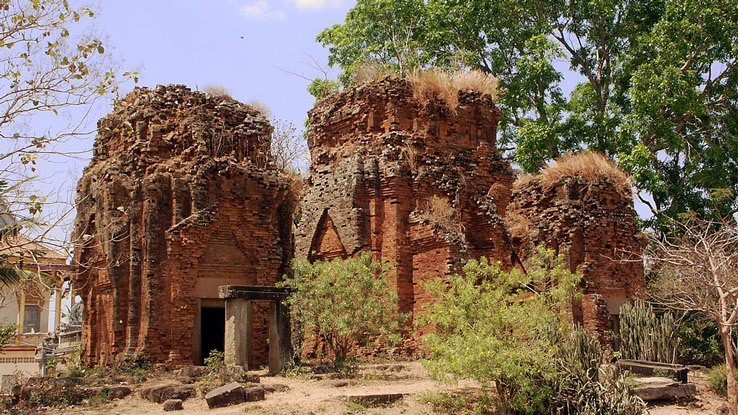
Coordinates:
(216, 91)
(493, 327)
(646, 336)
(346, 302)
(509, 330)
(439, 212)
(592, 166)
(717, 379)
(699, 341)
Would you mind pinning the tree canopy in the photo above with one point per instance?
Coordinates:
(656, 81)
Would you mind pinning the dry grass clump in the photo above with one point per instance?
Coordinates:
(518, 225)
(261, 107)
(433, 83)
(477, 81)
(439, 212)
(370, 72)
(216, 91)
(590, 165)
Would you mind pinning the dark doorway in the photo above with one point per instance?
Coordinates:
(212, 330)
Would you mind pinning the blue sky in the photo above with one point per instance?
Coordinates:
(239, 44)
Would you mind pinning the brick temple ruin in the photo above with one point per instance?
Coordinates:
(179, 199)
(184, 226)
(424, 186)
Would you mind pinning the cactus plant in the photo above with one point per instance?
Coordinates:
(646, 336)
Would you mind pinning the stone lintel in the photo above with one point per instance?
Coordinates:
(248, 292)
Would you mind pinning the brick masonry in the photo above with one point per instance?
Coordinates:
(593, 223)
(179, 198)
(380, 157)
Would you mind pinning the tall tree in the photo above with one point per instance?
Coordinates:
(697, 270)
(53, 69)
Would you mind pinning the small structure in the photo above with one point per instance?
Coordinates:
(582, 207)
(27, 304)
(181, 197)
(239, 323)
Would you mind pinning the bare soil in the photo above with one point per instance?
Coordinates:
(320, 394)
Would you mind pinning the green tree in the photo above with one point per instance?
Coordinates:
(53, 69)
(659, 90)
(347, 302)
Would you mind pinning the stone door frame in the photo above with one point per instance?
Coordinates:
(239, 315)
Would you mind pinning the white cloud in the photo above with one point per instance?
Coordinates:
(260, 9)
(316, 4)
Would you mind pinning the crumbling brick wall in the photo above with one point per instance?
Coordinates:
(180, 197)
(379, 158)
(591, 220)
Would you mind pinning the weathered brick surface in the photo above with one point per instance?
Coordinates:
(179, 198)
(378, 157)
(592, 221)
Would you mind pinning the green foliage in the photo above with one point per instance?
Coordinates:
(345, 301)
(646, 336)
(699, 341)
(660, 77)
(387, 31)
(509, 330)
(320, 88)
(7, 331)
(583, 386)
(493, 326)
(215, 360)
(717, 379)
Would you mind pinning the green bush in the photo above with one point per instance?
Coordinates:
(493, 326)
(717, 379)
(347, 302)
(508, 330)
(700, 341)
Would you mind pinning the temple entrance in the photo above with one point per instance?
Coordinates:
(212, 330)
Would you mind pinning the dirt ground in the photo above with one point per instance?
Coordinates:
(308, 395)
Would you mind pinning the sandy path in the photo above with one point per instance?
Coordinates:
(305, 396)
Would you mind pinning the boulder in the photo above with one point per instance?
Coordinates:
(253, 394)
(275, 387)
(119, 392)
(173, 405)
(377, 399)
(226, 395)
(161, 393)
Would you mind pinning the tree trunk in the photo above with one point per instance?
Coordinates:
(725, 334)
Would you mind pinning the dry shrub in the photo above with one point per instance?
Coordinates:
(477, 81)
(436, 84)
(439, 212)
(518, 225)
(216, 91)
(412, 156)
(592, 166)
(261, 107)
(370, 72)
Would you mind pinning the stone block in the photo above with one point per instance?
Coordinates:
(226, 395)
